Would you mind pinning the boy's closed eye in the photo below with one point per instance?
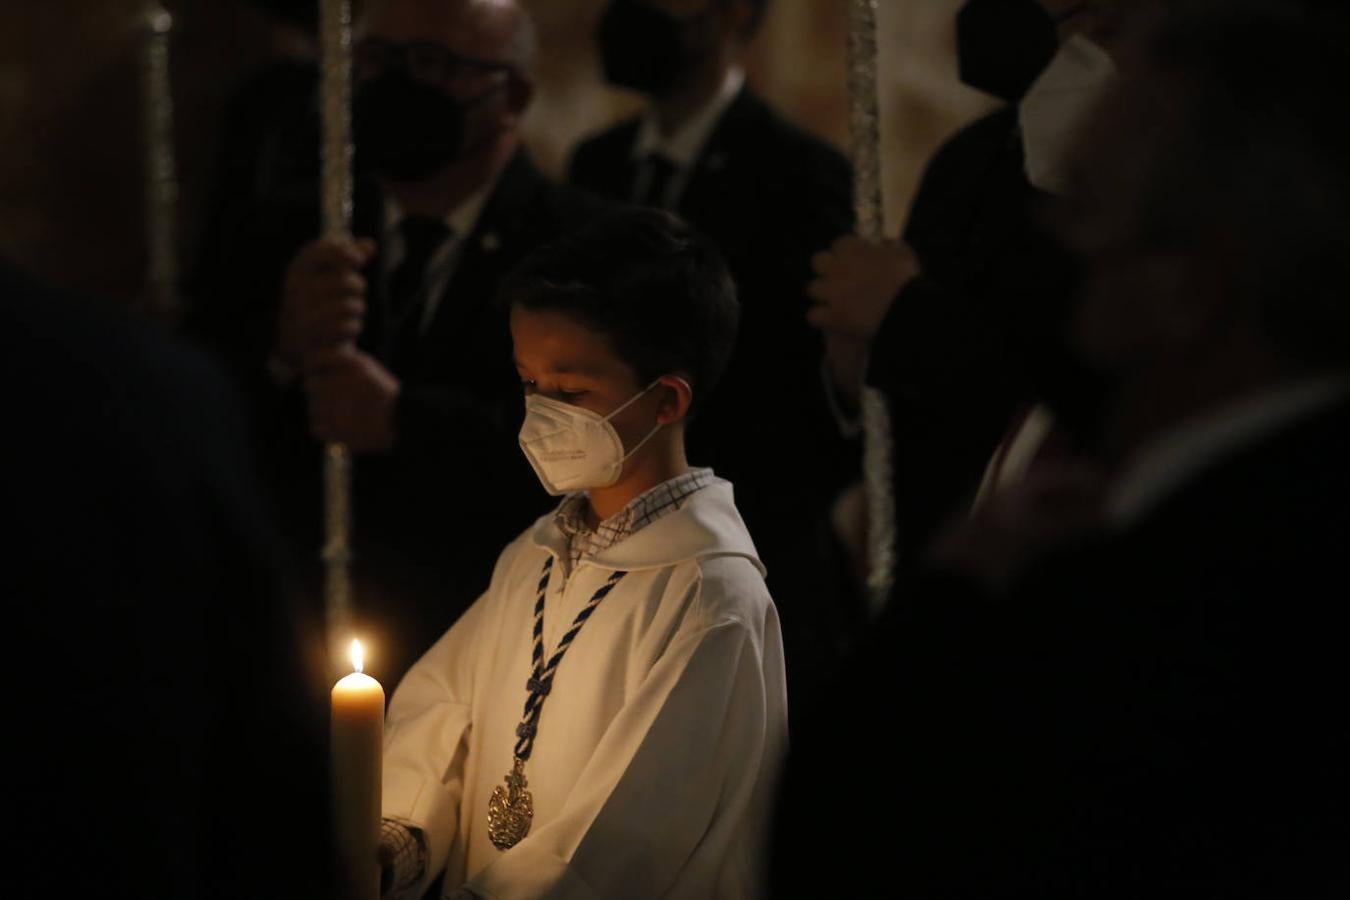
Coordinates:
(564, 394)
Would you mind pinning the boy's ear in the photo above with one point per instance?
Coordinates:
(676, 397)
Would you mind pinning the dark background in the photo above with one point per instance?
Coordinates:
(71, 184)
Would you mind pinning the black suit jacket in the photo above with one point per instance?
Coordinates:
(432, 515)
(769, 196)
(1155, 712)
(973, 337)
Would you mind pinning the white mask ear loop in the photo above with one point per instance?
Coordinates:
(659, 425)
(635, 398)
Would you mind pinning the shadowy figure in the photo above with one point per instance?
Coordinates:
(169, 701)
(1146, 703)
(959, 323)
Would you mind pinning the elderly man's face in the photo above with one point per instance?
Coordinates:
(461, 48)
(435, 84)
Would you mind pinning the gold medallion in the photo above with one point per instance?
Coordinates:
(511, 809)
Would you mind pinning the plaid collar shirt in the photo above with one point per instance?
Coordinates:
(583, 542)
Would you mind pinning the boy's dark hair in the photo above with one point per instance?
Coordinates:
(655, 288)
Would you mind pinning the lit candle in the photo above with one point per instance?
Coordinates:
(358, 742)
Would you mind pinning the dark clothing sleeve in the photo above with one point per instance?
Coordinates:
(944, 371)
(965, 345)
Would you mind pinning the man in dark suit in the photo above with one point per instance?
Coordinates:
(1152, 707)
(958, 323)
(168, 697)
(768, 195)
(390, 342)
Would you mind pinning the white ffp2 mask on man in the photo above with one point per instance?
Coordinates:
(1057, 105)
(574, 449)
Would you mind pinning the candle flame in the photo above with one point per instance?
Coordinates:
(358, 656)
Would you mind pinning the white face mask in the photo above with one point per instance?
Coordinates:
(574, 449)
(1056, 106)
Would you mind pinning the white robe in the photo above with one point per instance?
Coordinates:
(658, 749)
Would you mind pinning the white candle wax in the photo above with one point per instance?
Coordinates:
(358, 752)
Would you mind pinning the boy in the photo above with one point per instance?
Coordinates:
(607, 720)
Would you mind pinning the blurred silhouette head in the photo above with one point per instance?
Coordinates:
(1210, 203)
(1002, 45)
(658, 47)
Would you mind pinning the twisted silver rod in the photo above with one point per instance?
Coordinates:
(335, 25)
(161, 177)
(865, 122)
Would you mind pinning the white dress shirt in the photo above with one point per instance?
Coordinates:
(683, 146)
(461, 221)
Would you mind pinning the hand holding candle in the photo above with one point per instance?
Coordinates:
(358, 751)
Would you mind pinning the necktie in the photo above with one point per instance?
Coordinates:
(659, 171)
(422, 237)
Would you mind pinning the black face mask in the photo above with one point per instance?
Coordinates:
(1003, 45)
(407, 130)
(643, 48)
